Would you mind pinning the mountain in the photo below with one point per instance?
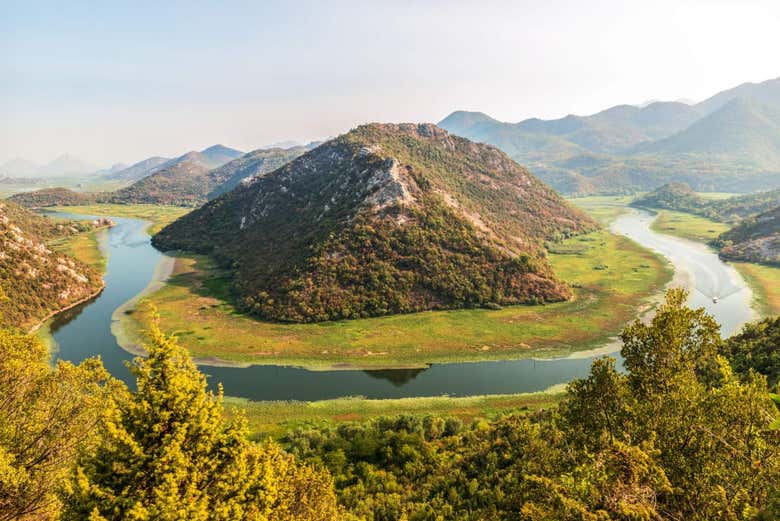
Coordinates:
(211, 157)
(250, 165)
(36, 281)
(384, 219)
(742, 130)
(138, 170)
(19, 168)
(64, 165)
(754, 240)
(728, 143)
(192, 182)
(218, 155)
(113, 169)
(767, 93)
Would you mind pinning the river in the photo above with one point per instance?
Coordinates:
(85, 331)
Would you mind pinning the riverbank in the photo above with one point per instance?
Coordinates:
(276, 418)
(763, 280)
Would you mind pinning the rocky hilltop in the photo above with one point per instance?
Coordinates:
(385, 219)
(36, 281)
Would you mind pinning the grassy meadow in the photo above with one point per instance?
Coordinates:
(613, 279)
(84, 247)
(688, 226)
(275, 418)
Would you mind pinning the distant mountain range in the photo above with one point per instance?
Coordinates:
(188, 180)
(729, 142)
(385, 219)
(211, 157)
(66, 165)
(62, 166)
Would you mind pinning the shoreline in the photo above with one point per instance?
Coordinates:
(70, 306)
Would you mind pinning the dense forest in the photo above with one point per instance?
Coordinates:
(687, 431)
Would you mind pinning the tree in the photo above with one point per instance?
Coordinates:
(46, 416)
(677, 342)
(167, 453)
(756, 348)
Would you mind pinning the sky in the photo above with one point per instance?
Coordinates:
(121, 81)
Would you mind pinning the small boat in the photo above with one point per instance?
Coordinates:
(714, 300)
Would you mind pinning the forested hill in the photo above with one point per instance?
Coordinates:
(34, 280)
(385, 219)
(680, 197)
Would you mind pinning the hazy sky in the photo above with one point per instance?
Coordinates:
(120, 81)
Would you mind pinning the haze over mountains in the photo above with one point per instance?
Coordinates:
(385, 219)
(208, 158)
(64, 165)
(188, 180)
(730, 141)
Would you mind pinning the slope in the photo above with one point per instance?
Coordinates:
(384, 219)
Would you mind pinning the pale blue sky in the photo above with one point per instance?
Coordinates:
(119, 81)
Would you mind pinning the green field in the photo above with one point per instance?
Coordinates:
(603, 208)
(688, 226)
(84, 247)
(159, 216)
(613, 278)
(765, 283)
(274, 419)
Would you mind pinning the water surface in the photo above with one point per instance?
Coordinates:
(85, 330)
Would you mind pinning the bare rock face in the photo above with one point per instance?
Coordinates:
(387, 218)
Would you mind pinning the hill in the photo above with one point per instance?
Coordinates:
(729, 142)
(252, 164)
(680, 197)
(52, 197)
(36, 281)
(384, 219)
(755, 240)
(184, 183)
